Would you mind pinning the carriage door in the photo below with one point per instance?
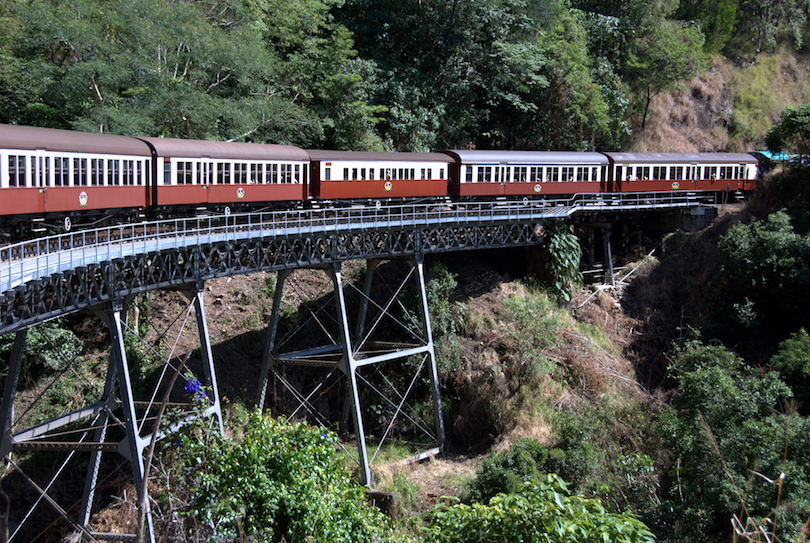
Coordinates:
(692, 172)
(205, 176)
(40, 171)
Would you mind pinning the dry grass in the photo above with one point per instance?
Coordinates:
(727, 107)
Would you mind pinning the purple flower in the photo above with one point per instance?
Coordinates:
(192, 386)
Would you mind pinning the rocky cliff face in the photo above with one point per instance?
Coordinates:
(729, 107)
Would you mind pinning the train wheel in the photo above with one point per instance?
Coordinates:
(67, 224)
(525, 200)
(227, 211)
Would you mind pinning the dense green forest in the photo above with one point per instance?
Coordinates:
(410, 75)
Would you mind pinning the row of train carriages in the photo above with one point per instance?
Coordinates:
(57, 178)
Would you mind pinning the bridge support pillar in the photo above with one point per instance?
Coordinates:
(609, 274)
(133, 444)
(360, 348)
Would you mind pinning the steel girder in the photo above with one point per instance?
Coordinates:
(90, 286)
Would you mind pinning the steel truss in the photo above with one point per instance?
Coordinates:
(86, 287)
(354, 346)
(116, 422)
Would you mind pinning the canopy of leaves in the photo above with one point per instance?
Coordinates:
(766, 271)
(280, 481)
(792, 132)
(224, 70)
(541, 511)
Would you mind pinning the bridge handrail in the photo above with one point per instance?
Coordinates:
(29, 260)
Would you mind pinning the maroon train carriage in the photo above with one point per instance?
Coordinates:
(350, 175)
(62, 175)
(221, 176)
(483, 174)
(717, 172)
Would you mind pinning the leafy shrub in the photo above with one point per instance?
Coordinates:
(541, 511)
(281, 480)
(507, 471)
(566, 254)
(729, 443)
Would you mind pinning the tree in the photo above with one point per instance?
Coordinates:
(214, 69)
(661, 56)
(792, 132)
(765, 273)
(278, 481)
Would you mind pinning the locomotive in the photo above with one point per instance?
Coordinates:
(56, 178)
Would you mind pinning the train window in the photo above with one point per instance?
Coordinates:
(424, 171)
(567, 174)
(297, 173)
(61, 172)
(441, 173)
(96, 171)
(354, 174)
(469, 176)
(480, 174)
(553, 174)
(16, 170)
(255, 173)
(327, 174)
(371, 174)
(79, 172)
(112, 172)
(643, 173)
(582, 174)
(273, 173)
(533, 174)
(128, 170)
(363, 174)
(185, 173)
(659, 172)
(239, 172)
(345, 173)
(413, 173)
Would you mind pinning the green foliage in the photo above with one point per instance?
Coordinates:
(727, 442)
(47, 346)
(507, 471)
(445, 315)
(792, 132)
(766, 271)
(792, 361)
(227, 71)
(541, 511)
(280, 480)
(535, 322)
(566, 254)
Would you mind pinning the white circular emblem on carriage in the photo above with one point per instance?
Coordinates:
(676, 185)
(82, 198)
(240, 193)
(537, 188)
(388, 185)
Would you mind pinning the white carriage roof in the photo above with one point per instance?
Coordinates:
(69, 141)
(527, 157)
(321, 155)
(681, 158)
(169, 147)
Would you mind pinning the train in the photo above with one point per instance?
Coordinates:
(53, 178)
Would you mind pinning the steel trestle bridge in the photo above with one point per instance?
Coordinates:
(102, 270)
